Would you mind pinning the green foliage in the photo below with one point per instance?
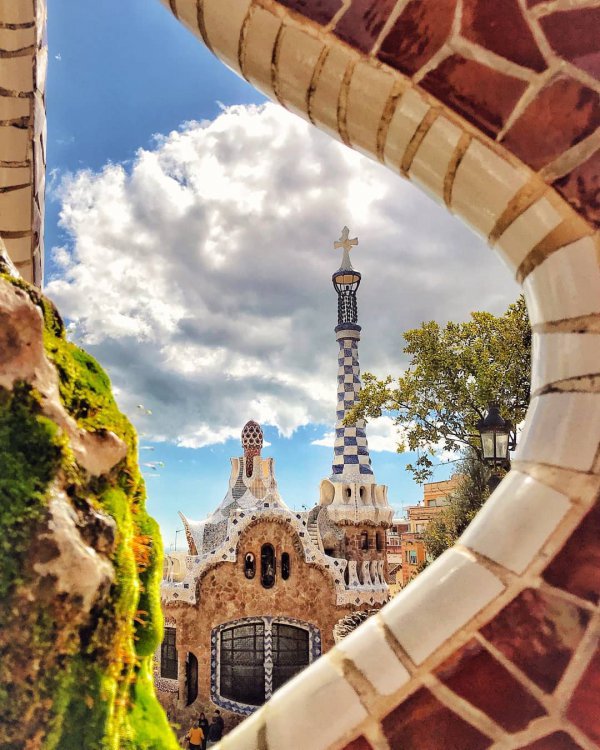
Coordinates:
(463, 505)
(101, 691)
(30, 454)
(454, 372)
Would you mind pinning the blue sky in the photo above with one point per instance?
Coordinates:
(194, 261)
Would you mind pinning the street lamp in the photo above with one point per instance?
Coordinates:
(498, 437)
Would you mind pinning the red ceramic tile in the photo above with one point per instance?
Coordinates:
(501, 28)
(360, 743)
(556, 741)
(581, 188)
(475, 675)
(576, 568)
(418, 33)
(574, 35)
(423, 723)
(584, 708)
(564, 113)
(321, 11)
(361, 24)
(482, 95)
(538, 632)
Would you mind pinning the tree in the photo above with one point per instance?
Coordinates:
(463, 505)
(454, 372)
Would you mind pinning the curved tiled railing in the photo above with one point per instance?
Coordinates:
(492, 109)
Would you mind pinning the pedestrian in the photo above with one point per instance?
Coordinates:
(195, 737)
(203, 722)
(215, 730)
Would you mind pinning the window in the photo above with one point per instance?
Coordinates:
(257, 656)
(285, 566)
(290, 652)
(242, 671)
(364, 540)
(249, 565)
(168, 655)
(378, 541)
(267, 566)
(413, 556)
(191, 670)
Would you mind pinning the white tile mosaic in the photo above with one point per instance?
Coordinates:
(261, 34)
(517, 241)
(324, 100)
(566, 284)
(483, 185)
(320, 693)
(442, 598)
(298, 56)
(409, 112)
(558, 356)
(223, 21)
(561, 429)
(516, 521)
(368, 93)
(370, 652)
(430, 163)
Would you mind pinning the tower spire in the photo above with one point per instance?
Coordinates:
(351, 460)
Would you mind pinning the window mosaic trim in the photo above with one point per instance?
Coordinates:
(267, 623)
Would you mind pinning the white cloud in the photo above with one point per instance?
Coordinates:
(200, 276)
(383, 435)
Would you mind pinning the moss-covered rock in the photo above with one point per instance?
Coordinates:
(80, 559)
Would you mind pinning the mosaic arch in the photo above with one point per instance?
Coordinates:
(492, 108)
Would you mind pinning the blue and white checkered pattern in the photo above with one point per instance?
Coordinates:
(351, 460)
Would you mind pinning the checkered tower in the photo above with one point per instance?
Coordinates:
(351, 461)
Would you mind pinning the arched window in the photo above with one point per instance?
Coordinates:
(191, 668)
(249, 565)
(168, 655)
(364, 540)
(379, 541)
(256, 656)
(267, 566)
(285, 566)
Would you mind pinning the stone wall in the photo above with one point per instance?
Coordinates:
(225, 594)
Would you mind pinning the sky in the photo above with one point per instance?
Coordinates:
(189, 246)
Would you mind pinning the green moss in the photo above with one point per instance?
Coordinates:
(31, 449)
(101, 690)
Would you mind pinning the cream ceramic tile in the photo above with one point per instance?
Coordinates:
(26, 272)
(558, 356)
(442, 598)
(16, 11)
(561, 429)
(223, 21)
(16, 74)
(324, 101)
(517, 241)
(13, 107)
(19, 249)
(409, 112)
(15, 39)
(15, 210)
(483, 185)
(370, 652)
(298, 56)
(516, 521)
(368, 93)
(431, 161)
(257, 54)
(41, 69)
(566, 284)
(187, 12)
(14, 176)
(313, 710)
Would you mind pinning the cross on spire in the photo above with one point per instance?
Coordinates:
(346, 244)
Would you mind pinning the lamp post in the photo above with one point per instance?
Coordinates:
(498, 437)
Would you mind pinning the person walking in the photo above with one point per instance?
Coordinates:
(215, 730)
(203, 722)
(195, 737)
